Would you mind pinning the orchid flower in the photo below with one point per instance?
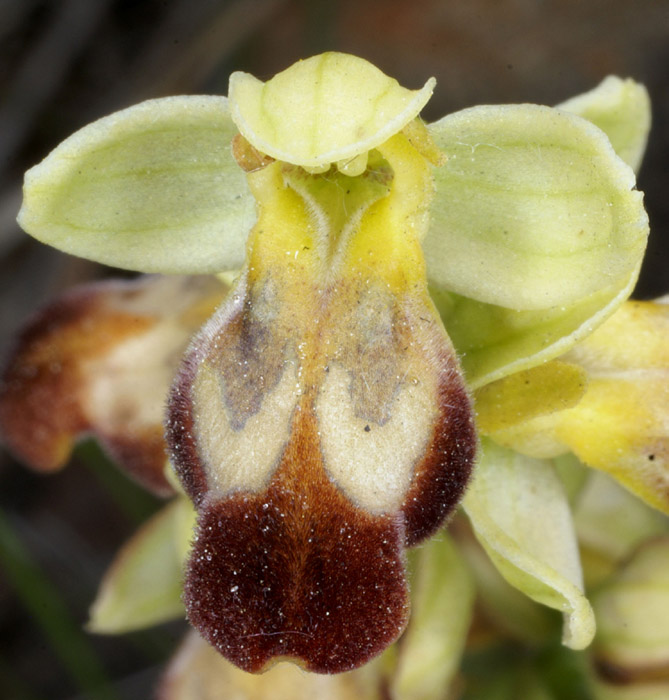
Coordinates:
(398, 317)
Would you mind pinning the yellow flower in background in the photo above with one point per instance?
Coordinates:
(373, 285)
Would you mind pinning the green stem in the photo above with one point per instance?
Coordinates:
(51, 614)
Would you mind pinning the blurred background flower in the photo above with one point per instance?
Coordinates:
(67, 62)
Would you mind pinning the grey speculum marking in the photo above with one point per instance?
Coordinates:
(374, 360)
(249, 355)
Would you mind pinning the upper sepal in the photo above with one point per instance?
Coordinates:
(153, 188)
(326, 109)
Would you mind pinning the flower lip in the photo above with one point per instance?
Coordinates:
(324, 109)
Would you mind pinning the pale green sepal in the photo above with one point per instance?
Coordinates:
(621, 109)
(505, 606)
(442, 599)
(152, 188)
(520, 514)
(325, 109)
(143, 585)
(533, 209)
(494, 342)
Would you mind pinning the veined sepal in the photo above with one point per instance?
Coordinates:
(621, 109)
(153, 188)
(143, 585)
(534, 209)
(495, 330)
(520, 515)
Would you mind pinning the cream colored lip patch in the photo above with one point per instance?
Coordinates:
(242, 459)
(373, 464)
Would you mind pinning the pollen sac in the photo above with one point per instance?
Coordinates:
(320, 423)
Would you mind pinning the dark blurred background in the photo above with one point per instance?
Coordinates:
(64, 63)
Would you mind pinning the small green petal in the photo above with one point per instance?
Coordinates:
(493, 341)
(152, 188)
(520, 515)
(322, 110)
(442, 598)
(143, 585)
(621, 109)
(511, 612)
(533, 209)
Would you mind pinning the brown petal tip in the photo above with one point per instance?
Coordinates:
(99, 360)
